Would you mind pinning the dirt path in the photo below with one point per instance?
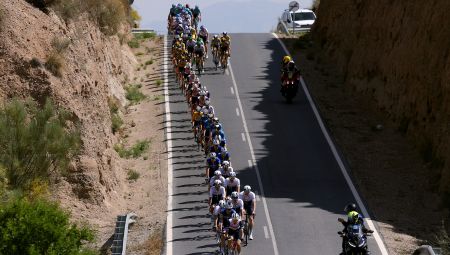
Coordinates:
(387, 168)
(147, 195)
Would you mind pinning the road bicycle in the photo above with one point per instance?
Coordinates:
(246, 230)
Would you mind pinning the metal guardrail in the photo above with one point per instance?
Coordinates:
(119, 246)
(427, 250)
(142, 30)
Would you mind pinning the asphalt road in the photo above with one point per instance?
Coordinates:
(304, 189)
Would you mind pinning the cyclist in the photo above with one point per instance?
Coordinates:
(217, 176)
(208, 107)
(212, 164)
(223, 222)
(225, 42)
(215, 44)
(204, 35)
(197, 16)
(232, 184)
(235, 232)
(249, 199)
(216, 213)
(238, 204)
(216, 148)
(190, 45)
(224, 155)
(226, 169)
(219, 134)
(216, 194)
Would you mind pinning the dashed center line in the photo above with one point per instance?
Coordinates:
(232, 90)
(237, 112)
(243, 137)
(266, 232)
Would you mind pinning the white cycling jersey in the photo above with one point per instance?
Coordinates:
(215, 192)
(211, 182)
(247, 198)
(232, 183)
(217, 210)
(235, 226)
(238, 203)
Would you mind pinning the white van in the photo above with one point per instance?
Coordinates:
(302, 19)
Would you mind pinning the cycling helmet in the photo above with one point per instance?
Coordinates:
(230, 169)
(187, 5)
(216, 142)
(247, 188)
(207, 102)
(216, 119)
(226, 163)
(235, 216)
(217, 126)
(229, 205)
(216, 36)
(222, 203)
(202, 27)
(224, 33)
(177, 36)
(291, 65)
(198, 108)
(287, 59)
(232, 174)
(350, 207)
(210, 115)
(212, 155)
(217, 182)
(217, 173)
(234, 195)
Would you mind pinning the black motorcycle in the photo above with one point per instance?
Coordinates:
(355, 240)
(290, 86)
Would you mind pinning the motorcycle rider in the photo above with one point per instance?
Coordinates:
(353, 217)
(290, 69)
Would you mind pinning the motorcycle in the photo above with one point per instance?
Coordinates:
(355, 240)
(290, 86)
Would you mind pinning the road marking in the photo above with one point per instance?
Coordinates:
(344, 171)
(266, 233)
(253, 163)
(227, 72)
(232, 90)
(243, 137)
(169, 233)
(250, 165)
(237, 112)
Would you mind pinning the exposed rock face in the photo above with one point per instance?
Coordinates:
(95, 66)
(396, 53)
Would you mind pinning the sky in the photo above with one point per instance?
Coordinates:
(234, 16)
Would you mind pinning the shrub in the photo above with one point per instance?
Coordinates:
(135, 151)
(134, 43)
(149, 62)
(35, 142)
(158, 82)
(67, 9)
(116, 123)
(39, 227)
(133, 175)
(146, 35)
(54, 64)
(304, 40)
(35, 62)
(60, 45)
(133, 94)
(108, 14)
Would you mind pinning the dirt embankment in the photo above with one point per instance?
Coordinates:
(396, 53)
(94, 70)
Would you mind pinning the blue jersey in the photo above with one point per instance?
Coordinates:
(224, 156)
(214, 164)
(226, 217)
(220, 133)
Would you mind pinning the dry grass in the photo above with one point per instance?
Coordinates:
(55, 64)
(154, 243)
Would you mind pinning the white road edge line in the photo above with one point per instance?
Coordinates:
(169, 233)
(266, 233)
(344, 171)
(237, 112)
(253, 162)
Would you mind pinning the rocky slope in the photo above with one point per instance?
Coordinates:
(94, 68)
(396, 54)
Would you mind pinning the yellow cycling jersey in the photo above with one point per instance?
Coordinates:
(196, 116)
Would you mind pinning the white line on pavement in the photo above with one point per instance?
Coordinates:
(250, 164)
(232, 90)
(237, 112)
(169, 233)
(258, 175)
(266, 233)
(344, 171)
(227, 72)
(243, 137)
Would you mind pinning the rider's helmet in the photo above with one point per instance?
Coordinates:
(286, 59)
(212, 155)
(234, 195)
(230, 169)
(222, 203)
(196, 7)
(187, 6)
(349, 208)
(198, 108)
(216, 120)
(217, 126)
(232, 174)
(226, 163)
(217, 173)
(202, 28)
(216, 142)
(235, 216)
(247, 188)
(207, 102)
(229, 205)
(217, 183)
(291, 65)
(224, 33)
(216, 36)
